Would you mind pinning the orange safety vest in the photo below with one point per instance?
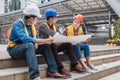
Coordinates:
(54, 29)
(70, 31)
(12, 44)
(8, 32)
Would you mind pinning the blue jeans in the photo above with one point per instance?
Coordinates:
(47, 52)
(26, 51)
(79, 47)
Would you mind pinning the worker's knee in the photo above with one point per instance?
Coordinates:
(68, 44)
(29, 45)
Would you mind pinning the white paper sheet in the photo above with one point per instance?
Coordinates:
(58, 38)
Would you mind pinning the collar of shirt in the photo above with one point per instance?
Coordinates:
(76, 31)
(51, 27)
(25, 22)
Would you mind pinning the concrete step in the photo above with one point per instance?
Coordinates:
(11, 63)
(96, 50)
(7, 62)
(101, 60)
(105, 59)
(115, 76)
(98, 41)
(22, 72)
(103, 71)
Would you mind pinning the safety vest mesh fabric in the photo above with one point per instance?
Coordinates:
(8, 32)
(70, 31)
(12, 44)
(54, 29)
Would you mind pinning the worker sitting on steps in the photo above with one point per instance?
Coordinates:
(74, 30)
(47, 30)
(23, 42)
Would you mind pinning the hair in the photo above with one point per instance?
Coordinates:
(29, 16)
(66, 25)
(49, 17)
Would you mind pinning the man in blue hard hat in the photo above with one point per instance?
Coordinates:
(48, 30)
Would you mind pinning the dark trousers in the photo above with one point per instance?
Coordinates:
(68, 48)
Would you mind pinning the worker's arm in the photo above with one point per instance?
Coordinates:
(20, 33)
(45, 30)
(65, 32)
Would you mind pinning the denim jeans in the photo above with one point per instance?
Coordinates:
(26, 51)
(47, 52)
(79, 47)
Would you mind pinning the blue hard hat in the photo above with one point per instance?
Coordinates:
(50, 13)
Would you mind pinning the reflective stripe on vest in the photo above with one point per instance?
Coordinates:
(12, 44)
(70, 31)
(54, 29)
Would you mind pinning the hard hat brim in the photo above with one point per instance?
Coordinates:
(39, 16)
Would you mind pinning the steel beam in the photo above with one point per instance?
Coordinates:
(115, 4)
(52, 2)
(40, 6)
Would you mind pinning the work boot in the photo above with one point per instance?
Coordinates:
(56, 75)
(37, 78)
(65, 72)
(78, 69)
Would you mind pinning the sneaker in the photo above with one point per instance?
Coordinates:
(88, 70)
(92, 67)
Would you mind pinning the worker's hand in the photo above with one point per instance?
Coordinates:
(36, 45)
(44, 41)
(64, 35)
(48, 41)
(87, 40)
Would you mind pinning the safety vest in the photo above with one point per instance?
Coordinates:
(8, 32)
(54, 29)
(12, 44)
(70, 31)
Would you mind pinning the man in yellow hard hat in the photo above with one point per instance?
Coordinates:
(74, 30)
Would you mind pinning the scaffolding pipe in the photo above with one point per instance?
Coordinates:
(109, 24)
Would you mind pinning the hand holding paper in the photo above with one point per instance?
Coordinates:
(58, 38)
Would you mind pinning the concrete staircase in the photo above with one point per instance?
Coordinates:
(115, 76)
(105, 58)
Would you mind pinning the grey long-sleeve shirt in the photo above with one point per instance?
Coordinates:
(44, 32)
